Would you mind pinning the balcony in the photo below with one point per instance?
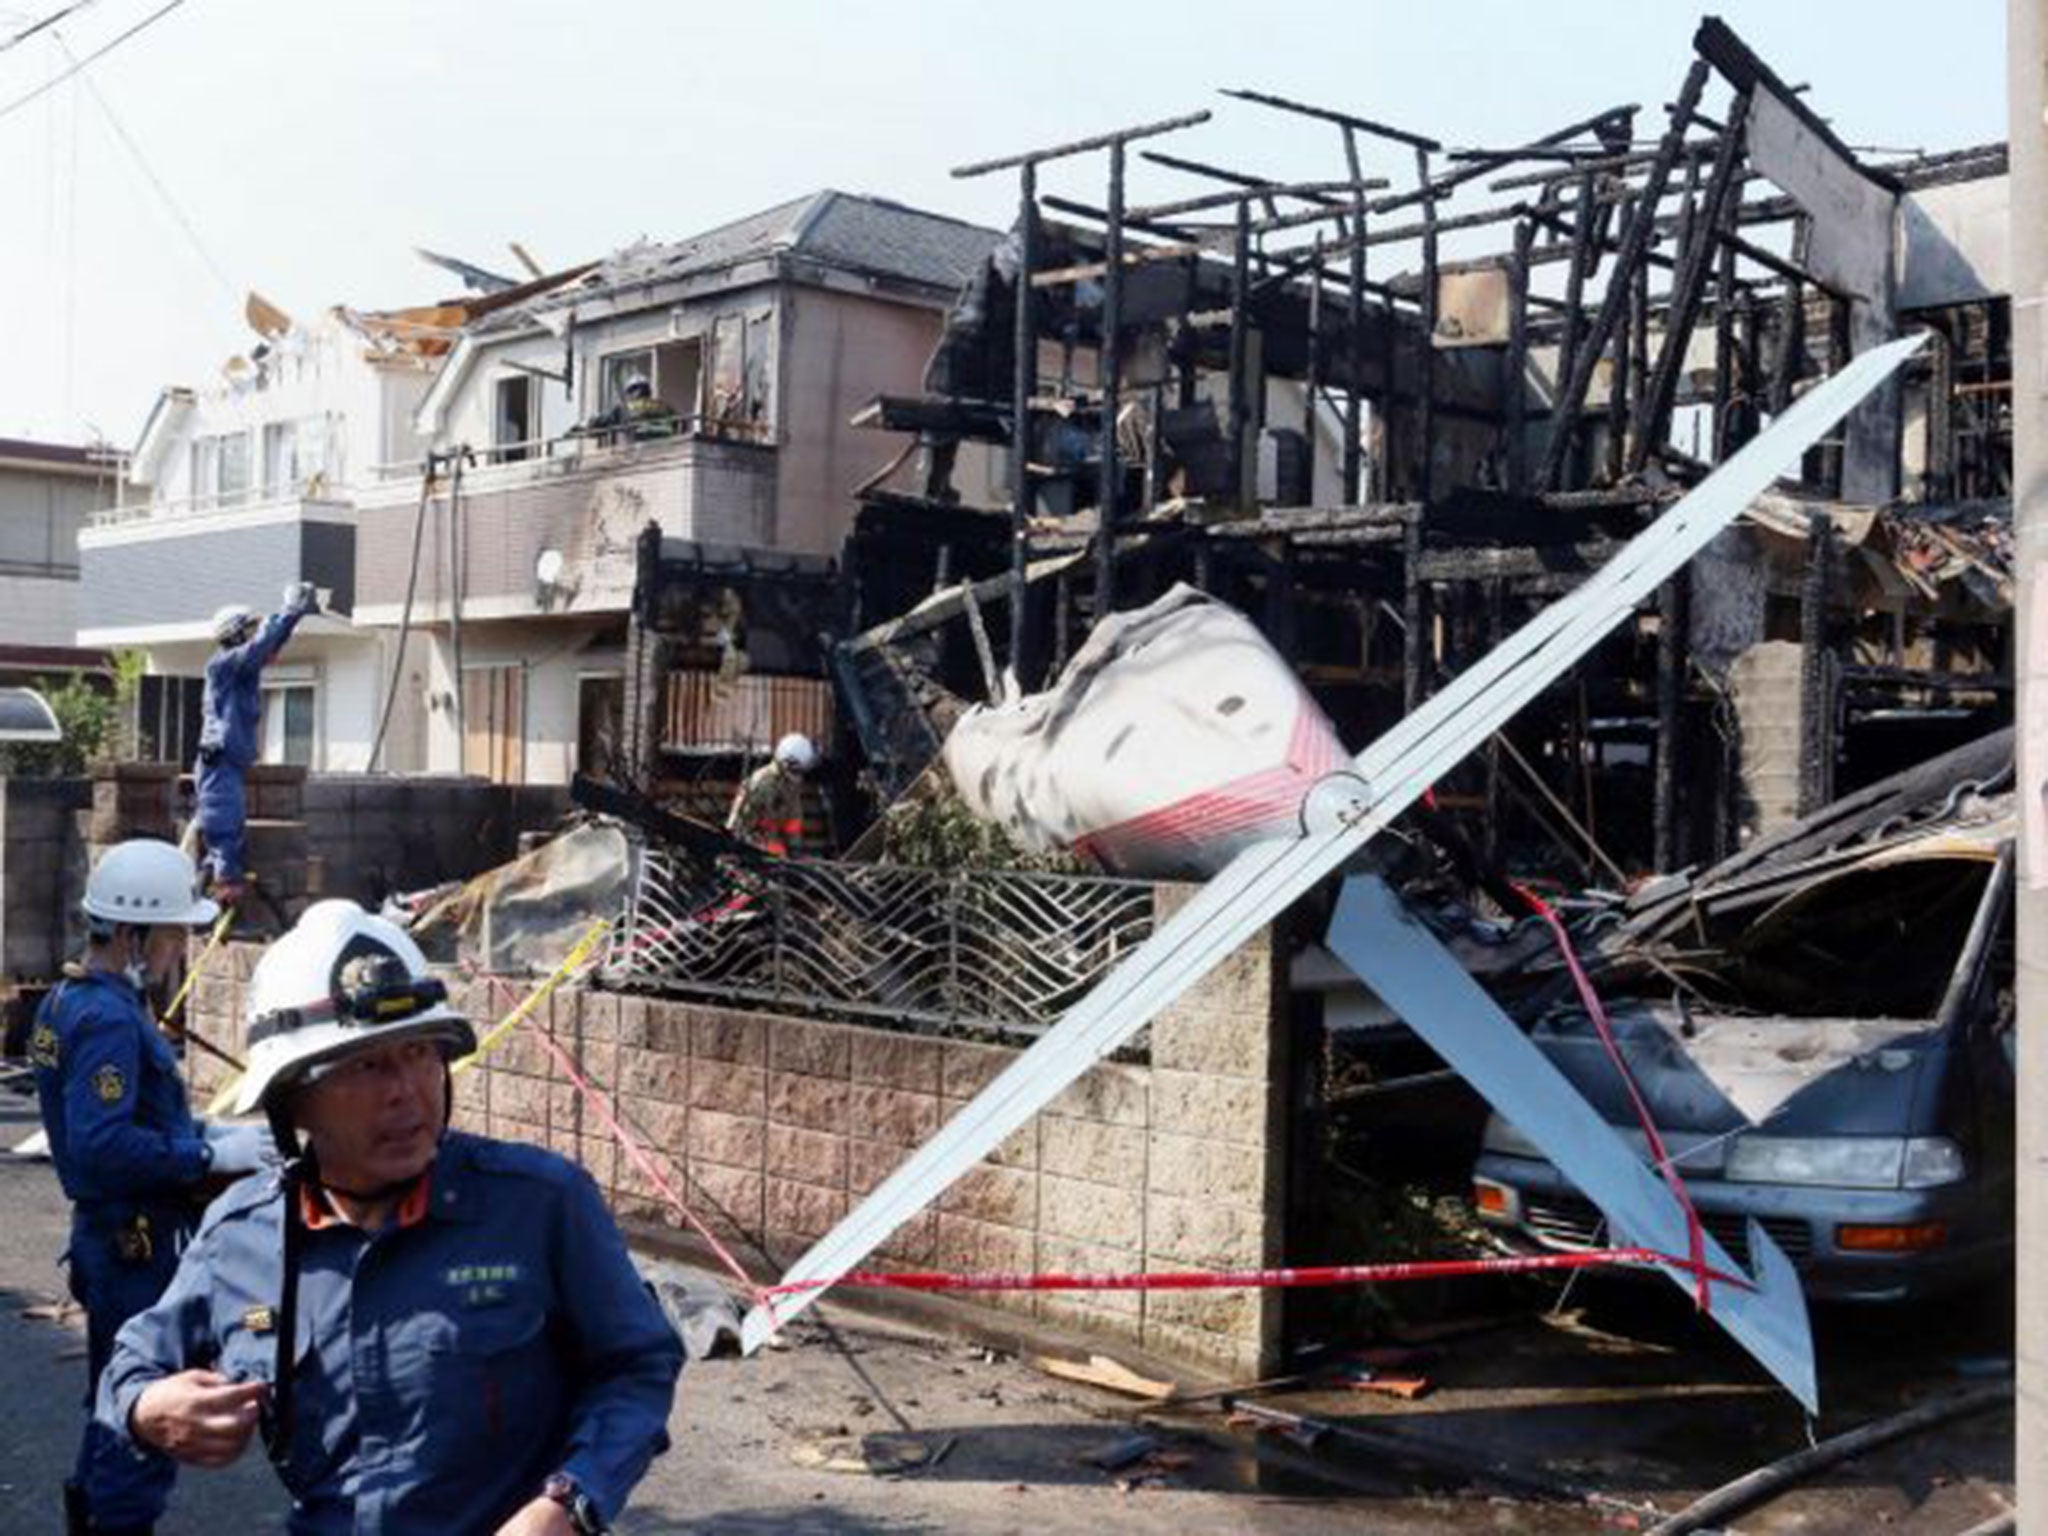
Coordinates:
(155, 574)
(555, 532)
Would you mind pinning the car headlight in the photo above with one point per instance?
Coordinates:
(1846, 1162)
(1931, 1161)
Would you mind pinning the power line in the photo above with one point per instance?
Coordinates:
(98, 53)
(135, 151)
(48, 21)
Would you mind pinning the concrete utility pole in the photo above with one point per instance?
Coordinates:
(2027, 85)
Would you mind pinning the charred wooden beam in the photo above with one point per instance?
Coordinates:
(1634, 243)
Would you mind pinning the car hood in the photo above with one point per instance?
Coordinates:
(1705, 1075)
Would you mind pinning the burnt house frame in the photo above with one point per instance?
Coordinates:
(1503, 420)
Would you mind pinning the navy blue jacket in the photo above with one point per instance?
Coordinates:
(447, 1365)
(121, 1131)
(232, 706)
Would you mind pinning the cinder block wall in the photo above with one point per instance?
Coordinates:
(773, 1126)
(42, 873)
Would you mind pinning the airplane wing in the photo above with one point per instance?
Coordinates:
(1340, 817)
(1423, 982)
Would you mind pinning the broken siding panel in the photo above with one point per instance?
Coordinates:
(711, 713)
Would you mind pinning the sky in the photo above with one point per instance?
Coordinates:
(303, 149)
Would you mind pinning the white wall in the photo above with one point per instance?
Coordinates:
(555, 653)
(319, 372)
(348, 667)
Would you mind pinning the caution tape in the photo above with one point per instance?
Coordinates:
(1253, 1279)
(220, 931)
(574, 961)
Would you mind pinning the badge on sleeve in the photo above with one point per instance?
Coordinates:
(259, 1320)
(42, 1047)
(109, 1084)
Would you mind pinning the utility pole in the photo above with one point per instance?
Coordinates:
(2027, 102)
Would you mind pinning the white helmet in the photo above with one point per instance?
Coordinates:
(147, 881)
(233, 622)
(797, 752)
(340, 981)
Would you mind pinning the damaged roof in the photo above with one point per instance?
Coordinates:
(865, 236)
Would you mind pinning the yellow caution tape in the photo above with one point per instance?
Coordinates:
(220, 931)
(582, 952)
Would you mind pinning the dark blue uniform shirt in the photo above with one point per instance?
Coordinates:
(232, 703)
(447, 1365)
(121, 1132)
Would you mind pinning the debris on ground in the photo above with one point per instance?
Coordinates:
(1110, 1375)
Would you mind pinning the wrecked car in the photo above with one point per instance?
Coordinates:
(1821, 1030)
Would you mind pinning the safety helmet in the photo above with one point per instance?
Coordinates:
(232, 622)
(795, 751)
(147, 881)
(637, 388)
(341, 981)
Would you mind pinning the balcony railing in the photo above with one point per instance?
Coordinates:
(185, 509)
(579, 448)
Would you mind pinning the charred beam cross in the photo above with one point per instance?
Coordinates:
(1635, 242)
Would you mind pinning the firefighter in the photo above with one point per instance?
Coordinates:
(232, 717)
(129, 1154)
(432, 1332)
(768, 809)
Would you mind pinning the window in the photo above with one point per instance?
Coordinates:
(288, 714)
(205, 488)
(513, 427)
(281, 475)
(220, 470)
(620, 367)
(234, 468)
(494, 723)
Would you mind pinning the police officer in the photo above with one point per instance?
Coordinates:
(435, 1333)
(128, 1152)
(231, 715)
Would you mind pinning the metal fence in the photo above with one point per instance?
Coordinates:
(998, 951)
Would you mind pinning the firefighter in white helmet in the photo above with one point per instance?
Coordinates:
(768, 809)
(444, 1324)
(130, 1156)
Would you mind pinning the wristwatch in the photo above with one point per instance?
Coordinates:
(568, 1493)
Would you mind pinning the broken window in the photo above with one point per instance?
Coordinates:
(513, 425)
(620, 369)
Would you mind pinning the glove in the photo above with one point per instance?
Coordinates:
(239, 1148)
(299, 597)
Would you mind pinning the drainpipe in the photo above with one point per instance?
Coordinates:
(2027, 97)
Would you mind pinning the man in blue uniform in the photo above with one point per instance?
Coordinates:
(472, 1350)
(231, 720)
(127, 1150)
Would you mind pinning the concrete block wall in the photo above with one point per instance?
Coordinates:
(773, 1126)
(42, 873)
(374, 834)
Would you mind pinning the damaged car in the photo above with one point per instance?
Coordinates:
(1821, 1030)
